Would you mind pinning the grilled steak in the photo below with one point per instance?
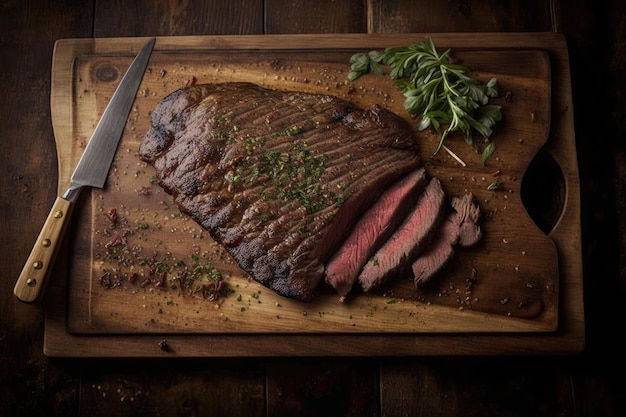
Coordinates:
(438, 253)
(408, 240)
(459, 227)
(467, 217)
(278, 178)
(372, 229)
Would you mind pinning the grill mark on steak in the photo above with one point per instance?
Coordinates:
(458, 228)
(372, 229)
(396, 255)
(221, 151)
(289, 219)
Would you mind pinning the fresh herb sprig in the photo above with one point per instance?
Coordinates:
(439, 91)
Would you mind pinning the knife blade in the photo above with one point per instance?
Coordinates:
(91, 171)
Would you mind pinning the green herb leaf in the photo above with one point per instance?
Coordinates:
(488, 151)
(442, 93)
(494, 185)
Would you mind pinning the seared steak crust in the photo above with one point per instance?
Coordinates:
(277, 177)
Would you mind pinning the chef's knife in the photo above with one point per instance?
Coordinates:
(91, 171)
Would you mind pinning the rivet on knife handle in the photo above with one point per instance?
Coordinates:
(40, 262)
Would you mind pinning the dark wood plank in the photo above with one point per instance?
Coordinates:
(29, 382)
(324, 16)
(322, 387)
(199, 388)
(418, 389)
(460, 16)
(164, 18)
(486, 387)
(620, 196)
(596, 34)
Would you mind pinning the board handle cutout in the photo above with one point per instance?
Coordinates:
(543, 191)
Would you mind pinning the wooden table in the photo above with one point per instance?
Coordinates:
(580, 383)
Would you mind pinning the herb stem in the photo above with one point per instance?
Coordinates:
(453, 155)
(449, 88)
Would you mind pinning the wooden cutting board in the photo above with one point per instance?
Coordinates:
(508, 284)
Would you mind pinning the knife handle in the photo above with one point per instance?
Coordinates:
(36, 271)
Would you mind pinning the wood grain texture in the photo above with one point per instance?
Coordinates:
(215, 388)
(149, 18)
(419, 388)
(322, 387)
(459, 16)
(452, 386)
(39, 265)
(325, 16)
(27, 152)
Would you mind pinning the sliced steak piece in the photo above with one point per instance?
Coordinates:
(372, 229)
(401, 249)
(278, 178)
(459, 227)
(438, 253)
(467, 216)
